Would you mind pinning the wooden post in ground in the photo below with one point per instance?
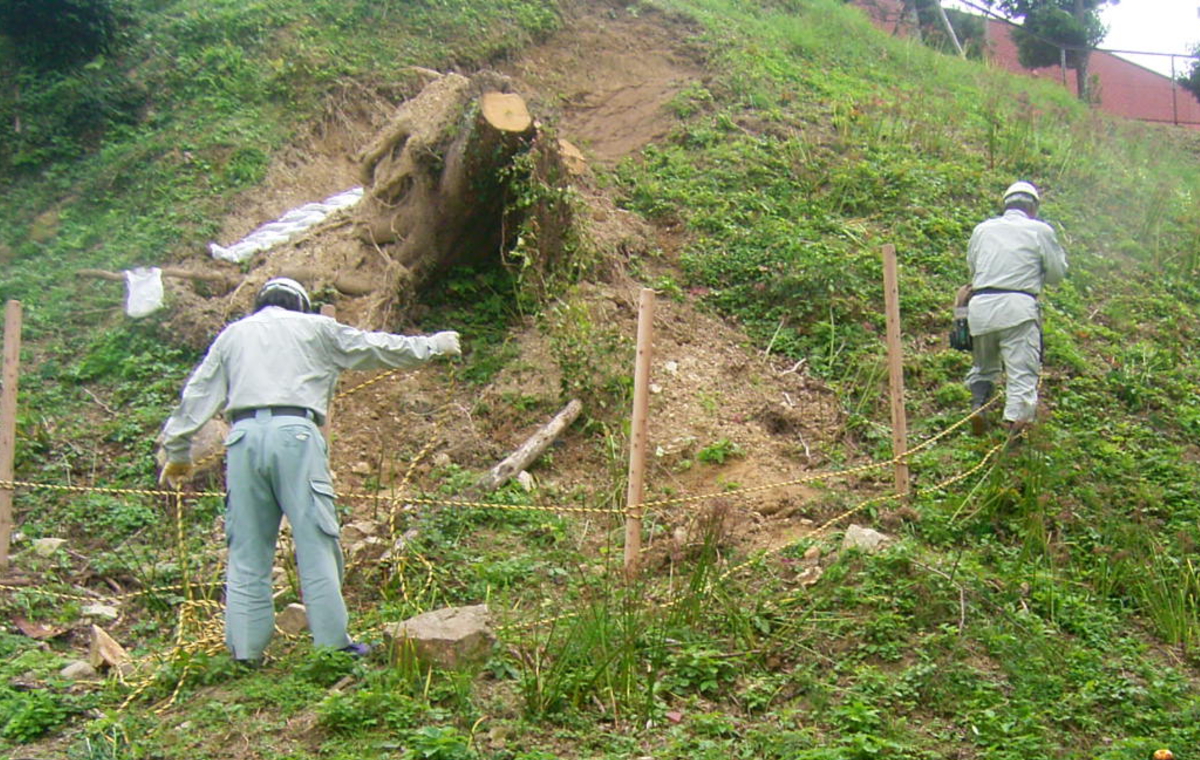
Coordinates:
(895, 360)
(637, 433)
(8, 421)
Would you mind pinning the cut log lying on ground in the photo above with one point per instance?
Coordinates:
(435, 177)
(529, 451)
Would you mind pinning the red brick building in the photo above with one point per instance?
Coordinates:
(1124, 88)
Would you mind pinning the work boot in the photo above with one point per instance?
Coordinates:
(357, 650)
(1016, 432)
(981, 392)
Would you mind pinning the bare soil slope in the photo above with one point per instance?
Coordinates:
(605, 83)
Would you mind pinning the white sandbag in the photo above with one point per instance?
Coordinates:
(287, 226)
(143, 291)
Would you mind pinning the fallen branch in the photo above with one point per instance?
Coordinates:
(185, 274)
(529, 451)
(346, 284)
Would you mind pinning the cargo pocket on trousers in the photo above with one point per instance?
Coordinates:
(233, 437)
(323, 511)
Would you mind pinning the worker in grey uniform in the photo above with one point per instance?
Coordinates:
(1011, 257)
(273, 373)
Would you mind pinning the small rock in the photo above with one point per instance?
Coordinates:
(105, 652)
(812, 553)
(102, 611)
(526, 481)
(78, 670)
(810, 575)
(292, 619)
(655, 388)
(864, 539)
(359, 530)
(44, 547)
(671, 367)
(573, 160)
(449, 637)
(442, 460)
(361, 468)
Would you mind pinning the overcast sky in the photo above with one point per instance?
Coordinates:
(1159, 26)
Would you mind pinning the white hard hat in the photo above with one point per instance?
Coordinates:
(1022, 188)
(287, 285)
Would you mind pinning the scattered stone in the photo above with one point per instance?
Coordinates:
(526, 481)
(359, 530)
(102, 611)
(292, 619)
(655, 388)
(78, 671)
(671, 367)
(812, 553)
(105, 652)
(208, 446)
(45, 547)
(809, 575)
(451, 637)
(866, 540)
(361, 468)
(442, 460)
(573, 159)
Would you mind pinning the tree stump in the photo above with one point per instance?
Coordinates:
(435, 177)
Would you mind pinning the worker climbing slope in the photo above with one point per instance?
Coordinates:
(273, 374)
(1011, 258)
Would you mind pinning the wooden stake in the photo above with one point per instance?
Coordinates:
(895, 353)
(8, 421)
(637, 433)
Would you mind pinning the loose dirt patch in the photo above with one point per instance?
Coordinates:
(608, 79)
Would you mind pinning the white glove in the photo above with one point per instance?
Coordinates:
(445, 343)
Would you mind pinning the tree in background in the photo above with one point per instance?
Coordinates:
(1191, 80)
(63, 87)
(1058, 32)
(58, 34)
(968, 28)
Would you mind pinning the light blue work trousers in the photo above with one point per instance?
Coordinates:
(1017, 351)
(279, 465)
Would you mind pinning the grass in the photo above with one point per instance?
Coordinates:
(1046, 606)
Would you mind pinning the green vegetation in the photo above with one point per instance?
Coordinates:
(1048, 606)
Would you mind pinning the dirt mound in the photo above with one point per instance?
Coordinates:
(722, 416)
(608, 79)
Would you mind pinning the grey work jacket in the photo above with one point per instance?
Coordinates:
(277, 357)
(1011, 252)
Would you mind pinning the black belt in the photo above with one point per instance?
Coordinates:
(278, 411)
(994, 291)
